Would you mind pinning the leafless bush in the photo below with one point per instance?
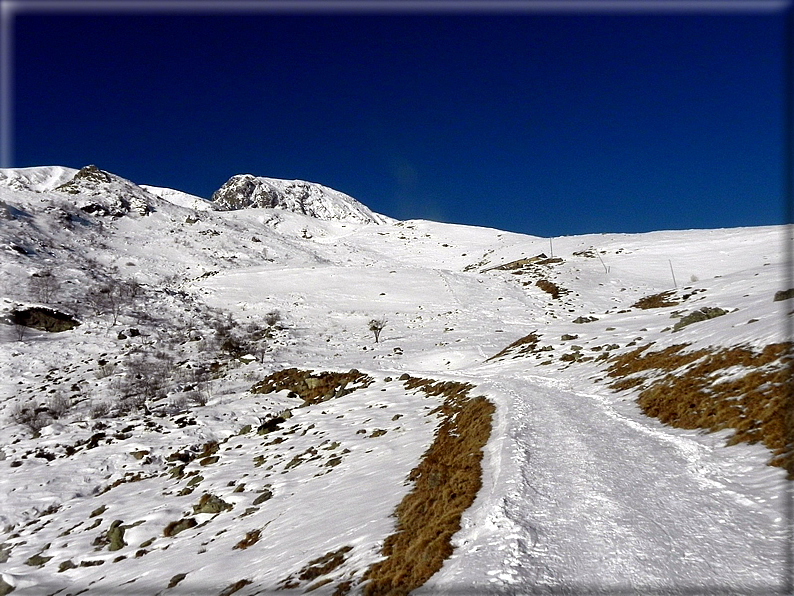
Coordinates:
(260, 351)
(178, 403)
(107, 298)
(130, 403)
(59, 405)
(105, 370)
(32, 416)
(131, 288)
(202, 381)
(197, 397)
(376, 326)
(19, 331)
(99, 409)
(44, 285)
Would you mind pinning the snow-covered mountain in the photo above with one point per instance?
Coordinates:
(306, 198)
(193, 402)
(35, 179)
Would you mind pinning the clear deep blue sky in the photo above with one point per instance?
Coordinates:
(541, 123)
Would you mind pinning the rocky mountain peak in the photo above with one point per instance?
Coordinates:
(102, 193)
(306, 198)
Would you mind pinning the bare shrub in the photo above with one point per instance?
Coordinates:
(33, 416)
(376, 326)
(44, 285)
(130, 403)
(108, 298)
(99, 409)
(196, 397)
(131, 288)
(146, 377)
(178, 403)
(59, 405)
(19, 331)
(260, 351)
(105, 370)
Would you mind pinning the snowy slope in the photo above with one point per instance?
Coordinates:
(36, 179)
(177, 197)
(581, 492)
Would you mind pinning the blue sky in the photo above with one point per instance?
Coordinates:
(546, 123)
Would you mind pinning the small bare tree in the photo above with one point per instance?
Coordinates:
(132, 288)
(108, 298)
(58, 405)
(20, 330)
(44, 285)
(376, 326)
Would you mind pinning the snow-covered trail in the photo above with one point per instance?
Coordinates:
(631, 508)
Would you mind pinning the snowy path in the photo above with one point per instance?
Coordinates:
(601, 503)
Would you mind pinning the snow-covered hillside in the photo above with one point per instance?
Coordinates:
(209, 411)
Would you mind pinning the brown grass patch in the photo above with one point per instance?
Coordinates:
(631, 363)
(659, 300)
(175, 527)
(313, 388)
(446, 482)
(317, 568)
(549, 287)
(250, 539)
(236, 586)
(525, 345)
(757, 403)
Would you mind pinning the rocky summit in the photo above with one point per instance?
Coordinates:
(306, 198)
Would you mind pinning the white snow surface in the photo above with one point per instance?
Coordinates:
(581, 492)
(177, 197)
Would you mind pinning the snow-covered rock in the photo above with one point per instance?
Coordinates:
(307, 198)
(101, 192)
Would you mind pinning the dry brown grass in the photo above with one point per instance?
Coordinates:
(550, 287)
(313, 388)
(317, 568)
(249, 539)
(659, 300)
(522, 346)
(688, 392)
(446, 482)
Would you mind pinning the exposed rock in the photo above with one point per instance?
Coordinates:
(307, 198)
(703, 314)
(45, 319)
(100, 193)
(211, 504)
